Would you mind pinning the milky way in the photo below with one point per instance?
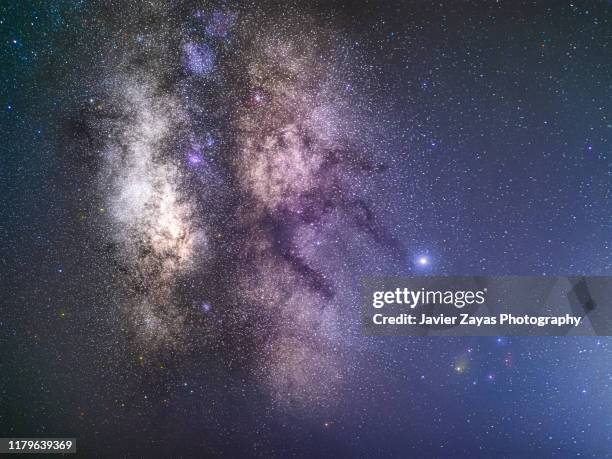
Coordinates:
(193, 189)
(153, 218)
(234, 163)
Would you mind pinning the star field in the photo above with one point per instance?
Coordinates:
(193, 189)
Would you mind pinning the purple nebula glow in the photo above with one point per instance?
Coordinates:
(220, 23)
(205, 307)
(258, 97)
(199, 58)
(194, 158)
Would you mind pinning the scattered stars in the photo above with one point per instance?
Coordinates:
(220, 180)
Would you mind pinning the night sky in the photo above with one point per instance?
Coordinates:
(192, 190)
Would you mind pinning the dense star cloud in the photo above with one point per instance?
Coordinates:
(298, 166)
(290, 145)
(152, 218)
(194, 190)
